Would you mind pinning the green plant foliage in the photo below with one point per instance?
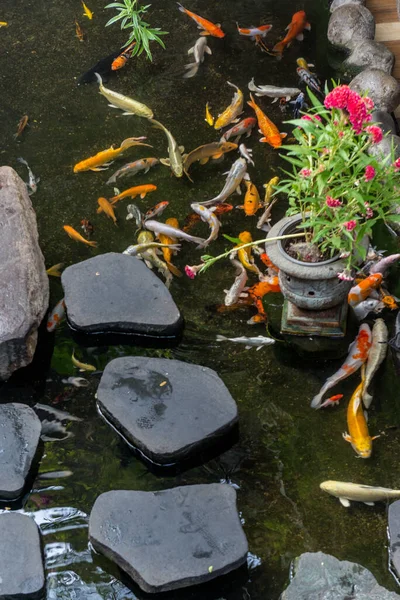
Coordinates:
(130, 13)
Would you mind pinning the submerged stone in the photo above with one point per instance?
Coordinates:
(20, 431)
(116, 293)
(319, 576)
(168, 409)
(172, 538)
(24, 285)
(21, 566)
(394, 535)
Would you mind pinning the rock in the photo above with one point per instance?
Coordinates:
(384, 120)
(350, 24)
(319, 576)
(385, 147)
(170, 539)
(339, 3)
(381, 87)
(369, 54)
(20, 431)
(394, 535)
(116, 293)
(169, 409)
(24, 285)
(21, 566)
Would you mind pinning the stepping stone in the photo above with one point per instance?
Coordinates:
(21, 566)
(168, 409)
(170, 539)
(116, 293)
(20, 430)
(394, 535)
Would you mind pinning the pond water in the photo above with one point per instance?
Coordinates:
(285, 449)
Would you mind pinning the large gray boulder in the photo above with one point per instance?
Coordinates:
(319, 576)
(339, 3)
(369, 54)
(381, 87)
(171, 410)
(172, 538)
(24, 285)
(350, 24)
(21, 565)
(394, 536)
(20, 430)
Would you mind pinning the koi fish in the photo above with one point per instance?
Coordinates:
(263, 221)
(3, 24)
(268, 262)
(143, 164)
(207, 27)
(87, 227)
(209, 118)
(358, 354)
(128, 105)
(232, 111)
(102, 67)
(198, 50)
(256, 294)
(102, 160)
(134, 212)
(295, 31)
(193, 218)
(383, 264)
(251, 200)
(74, 235)
(358, 492)
(362, 290)
(254, 32)
(158, 209)
(137, 190)
(301, 62)
(122, 59)
(358, 435)
(150, 257)
(237, 172)
(244, 254)
(332, 401)
(259, 341)
(207, 216)
(168, 247)
(87, 12)
(165, 229)
(105, 206)
(243, 127)
(79, 32)
(56, 316)
(246, 153)
(273, 92)
(81, 365)
(309, 79)
(175, 160)
(214, 150)
(366, 306)
(76, 381)
(55, 270)
(271, 133)
(298, 105)
(23, 122)
(390, 302)
(233, 294)
(376, 356)
(32, 181)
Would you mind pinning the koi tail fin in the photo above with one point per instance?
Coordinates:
(112, 179)
(156, 124)
(181, 8)
(133, 142)
(92, 243)
(99, 79)
(251, 102)
(316, 401)
(192, 70)
(174, 270)
(279, 48)
(221, 338)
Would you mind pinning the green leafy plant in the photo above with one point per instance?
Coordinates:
(130, 13)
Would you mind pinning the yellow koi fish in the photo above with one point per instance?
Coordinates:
(55, 270)
(244, 254)
(87, 12)
(358, 435)
(80, 365)
(234, 109)
(106, 207)
(103, 159)
(128, 105)
(209, 118)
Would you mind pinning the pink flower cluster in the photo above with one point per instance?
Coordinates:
(375, 132)
(343, 97)
(333, 202)
(192, 270)
(350, 225)
(305, 172)
(311, 118)
(369, 173)
(396, 164)
(369, 213)
(345, 275)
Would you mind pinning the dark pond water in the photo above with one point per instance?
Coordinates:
(285, 449)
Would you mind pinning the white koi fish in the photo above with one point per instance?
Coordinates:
(250, 342)
(198, 51)
(235, 176)
(233, 294)
(173, 232)
(207, 216)
(273, 92)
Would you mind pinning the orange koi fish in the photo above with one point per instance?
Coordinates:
(74, 235)
(332, 401)
(158, 209)
(137, 190)
(390, 302)
(79, 32)
(123, 58)
(252, 201)
(295, 31)
(271, 133)
(105, 206)
(257, 293)
(102, 160)
(358, 435)
(362, 290)
(358, 354)
(56, 316)
(207, 27)
(166, 250)
(254, 32)
(268, 262)
(23, 122)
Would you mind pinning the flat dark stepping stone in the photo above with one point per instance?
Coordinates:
(21, 566)
(168, 409)
(116, 293)
(170, 539)
(20, 430)
(394, 535)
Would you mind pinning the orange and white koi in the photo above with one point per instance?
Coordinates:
(295, 31)
(358, 435)
(254, 32)
(105, 206)
(358, 354)
(137, 190)
(103, 159)
(332, 401)
(207, 27)
(251, 200)
(207, 216)
(158, 209)
(56, 315)
(243, 127)
(271, 133)
(122, 59)
(74, 235)
(232, 111)
(193, 218)
(362, 290)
